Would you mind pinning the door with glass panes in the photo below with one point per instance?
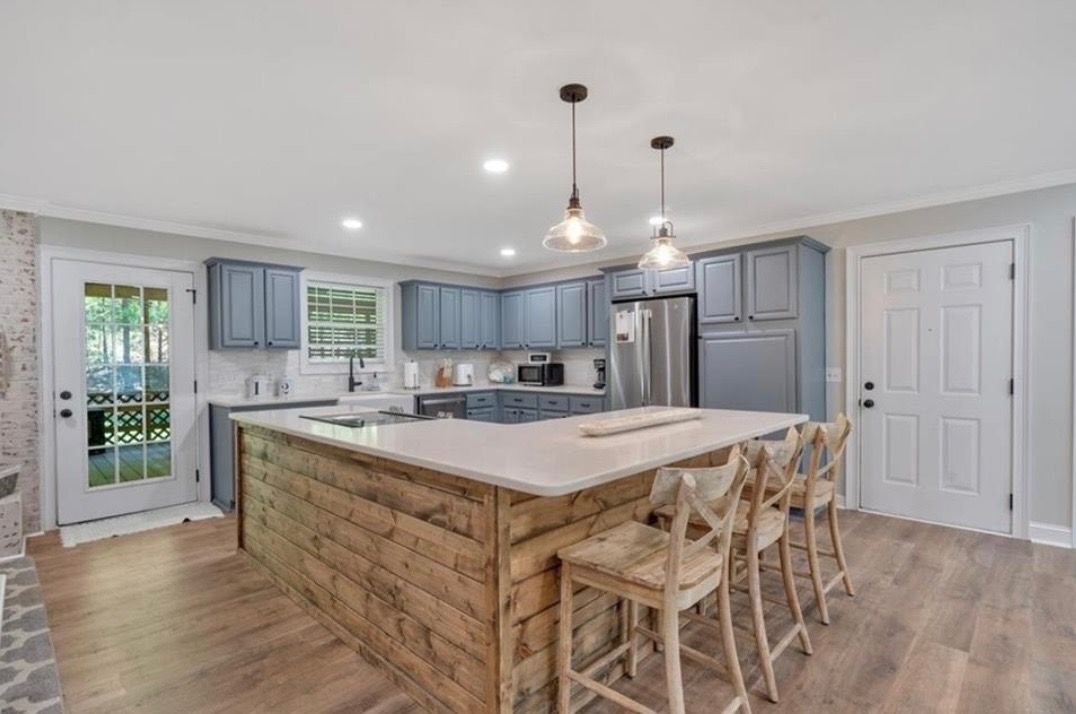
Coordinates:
(123, 342)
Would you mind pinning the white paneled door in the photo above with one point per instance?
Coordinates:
(936, 356)
(123, 365)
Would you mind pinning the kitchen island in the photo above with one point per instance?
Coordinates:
(430, 547)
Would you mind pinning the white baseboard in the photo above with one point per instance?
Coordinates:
(1048, 534)
(840, 501)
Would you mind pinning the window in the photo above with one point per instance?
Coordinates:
(342, 319)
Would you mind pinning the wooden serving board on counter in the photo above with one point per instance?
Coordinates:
(605, 426)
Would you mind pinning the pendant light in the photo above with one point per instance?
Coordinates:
(575, 234)
(663, 254)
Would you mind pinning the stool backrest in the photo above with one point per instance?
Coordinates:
(829, 438)
(698, 490)
(773, 465)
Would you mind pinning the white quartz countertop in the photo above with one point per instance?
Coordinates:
(234, 400)
(544, 458)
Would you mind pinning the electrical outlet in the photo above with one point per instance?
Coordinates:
(833, 374)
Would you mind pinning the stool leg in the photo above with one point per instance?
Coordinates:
(633, 650)
(754, 589)
(838, 546)
(670, 632)
(790, 590)
(728, 642)
(564, 642)
(812, 559)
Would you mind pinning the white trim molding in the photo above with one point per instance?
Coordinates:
(46, 255)
(1020, 235)
(1072, 441)
(1048, 534)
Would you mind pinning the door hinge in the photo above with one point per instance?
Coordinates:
(1012, 386)
(1010, 501)
(194, 295)
(1012, 271)
(197, 475)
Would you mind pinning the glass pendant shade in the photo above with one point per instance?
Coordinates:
(664, 254)
(575, 234)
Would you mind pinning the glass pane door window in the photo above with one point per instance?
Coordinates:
(128, 413)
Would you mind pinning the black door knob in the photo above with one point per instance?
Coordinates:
(66, 413)
(868, 386)
(868, 403)
(65, 394)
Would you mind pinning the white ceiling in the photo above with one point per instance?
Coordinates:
(270, 121)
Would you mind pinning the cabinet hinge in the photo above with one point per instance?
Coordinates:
(197, 475)
(1012, 271)
(196, 386)
(194, 295)
(1012, 386)
(1010, 501)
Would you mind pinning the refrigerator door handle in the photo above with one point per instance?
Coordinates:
(646, 353)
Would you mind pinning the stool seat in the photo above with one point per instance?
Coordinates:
(637, 553)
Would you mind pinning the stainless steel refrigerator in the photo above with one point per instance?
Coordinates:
(652, 349)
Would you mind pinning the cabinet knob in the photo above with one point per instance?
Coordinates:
(750, 317)
(270, 343)
(736, 319)
(255, 343)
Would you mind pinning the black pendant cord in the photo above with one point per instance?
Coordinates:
(663, 186)
(575, 188)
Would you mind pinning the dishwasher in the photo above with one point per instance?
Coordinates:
(444, 407)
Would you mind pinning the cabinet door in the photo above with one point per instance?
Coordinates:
(572, 315)
(754, 371)
(527, 415)
(490, 322)
(242, 306)
(720, 288)
(540, 317)
(427, 317)
(771, 283)
(597, 314)
(629, 283)
(450, 319)
(470, 319)
(512, 321)
(282, 306)
(673, 280)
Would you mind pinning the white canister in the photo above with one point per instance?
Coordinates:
(284, 387)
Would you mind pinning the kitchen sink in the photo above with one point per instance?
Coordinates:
(359, 420)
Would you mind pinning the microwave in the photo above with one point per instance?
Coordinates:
(549, 374)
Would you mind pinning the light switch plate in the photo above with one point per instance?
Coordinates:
(833, 374)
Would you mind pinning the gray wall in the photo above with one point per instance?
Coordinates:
(1050, 212)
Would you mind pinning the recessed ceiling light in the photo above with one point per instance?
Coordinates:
(352, 224)
(657, 220)
(496, 166)
(508, 252)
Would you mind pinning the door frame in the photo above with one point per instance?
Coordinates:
(46, 255)
(1020, 236)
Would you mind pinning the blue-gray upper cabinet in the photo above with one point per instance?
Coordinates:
(540, 317)
(572, 314)
(629, 283)
(772, 283)
(421, 304)
(673, 280)
(470, 319)
(282, 306)
(512, 331)
(450, 318)
(489, 334)
(721, 286)
(597, 313)
(253, 305)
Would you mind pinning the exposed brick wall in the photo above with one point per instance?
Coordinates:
(19, 420)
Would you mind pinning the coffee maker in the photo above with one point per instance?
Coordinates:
(599, 368)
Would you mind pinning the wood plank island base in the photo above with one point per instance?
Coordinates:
(449, 582)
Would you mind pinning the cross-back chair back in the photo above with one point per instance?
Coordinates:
(827, 439)
(773, 467)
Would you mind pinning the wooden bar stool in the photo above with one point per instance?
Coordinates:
(665, 571)
(817, 488)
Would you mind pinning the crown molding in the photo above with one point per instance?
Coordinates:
(800, 224)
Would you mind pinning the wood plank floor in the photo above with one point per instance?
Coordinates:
(944, 620)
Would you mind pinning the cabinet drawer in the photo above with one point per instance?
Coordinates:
(515, 399)
(553, 403)
(482, 414)
(481, 399)
(586, 405)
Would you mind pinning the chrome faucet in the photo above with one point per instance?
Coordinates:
(351, 381)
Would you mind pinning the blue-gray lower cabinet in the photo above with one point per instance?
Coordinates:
(482, 414)
(253, 305)
(572, 314)
(586, 405)
(597, 313)
(222, 446)
(512, 321)
(753, 371)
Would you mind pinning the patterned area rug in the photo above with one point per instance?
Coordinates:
(29, 680)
